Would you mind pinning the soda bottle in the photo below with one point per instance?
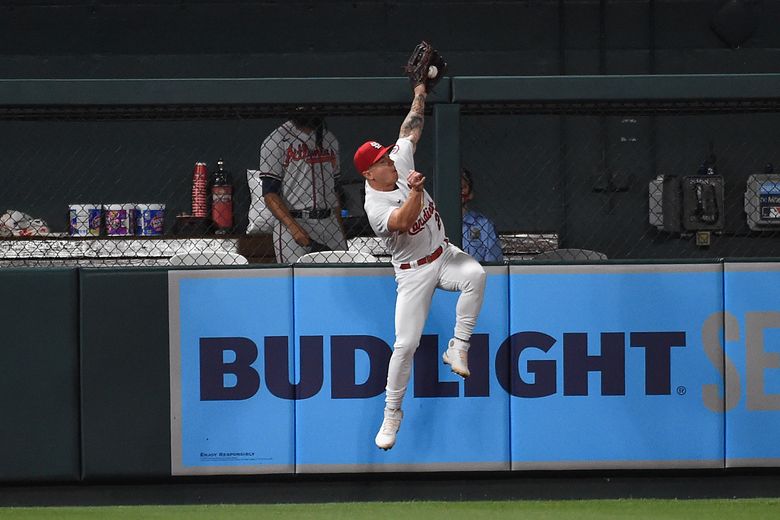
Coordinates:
(221, 200)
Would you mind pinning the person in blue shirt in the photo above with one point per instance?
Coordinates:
(480, 239)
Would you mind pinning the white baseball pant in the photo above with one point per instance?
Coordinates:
(454, 270)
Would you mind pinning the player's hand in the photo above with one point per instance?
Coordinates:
(300, 236)
(416, 180)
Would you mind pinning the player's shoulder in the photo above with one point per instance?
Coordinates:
(402, 146)
(475, 217)
(371, 193)
(470, 216)
(382, 196)
(277, 134)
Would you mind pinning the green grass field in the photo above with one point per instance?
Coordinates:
(752, 509)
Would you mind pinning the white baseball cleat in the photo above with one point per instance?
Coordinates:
(457, 357)
(385, 439)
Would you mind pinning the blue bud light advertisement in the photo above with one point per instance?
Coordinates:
(604, 366)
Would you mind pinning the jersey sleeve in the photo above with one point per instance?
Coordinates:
(271, 157)
(402, 155)
(378, 213)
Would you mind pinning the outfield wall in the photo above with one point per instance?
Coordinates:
(152, 373)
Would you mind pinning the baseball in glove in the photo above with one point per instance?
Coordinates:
(425, 66)
(316, 247)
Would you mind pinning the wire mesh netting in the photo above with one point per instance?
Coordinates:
(227, 185)
(154, 187)
(664, 181)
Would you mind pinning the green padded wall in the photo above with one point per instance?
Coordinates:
(124, 373)
(39, 396)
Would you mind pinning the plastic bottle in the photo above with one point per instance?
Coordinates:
(221, 200)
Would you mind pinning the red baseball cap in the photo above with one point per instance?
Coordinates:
(369, 153)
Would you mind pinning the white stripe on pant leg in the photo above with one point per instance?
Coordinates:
(278, 250)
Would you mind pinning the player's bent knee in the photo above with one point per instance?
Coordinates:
(403, 350)
(482, 280)
(476, 276)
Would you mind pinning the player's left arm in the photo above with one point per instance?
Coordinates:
(412, 126)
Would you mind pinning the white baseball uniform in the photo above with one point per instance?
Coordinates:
(417, 275)
(308, 174)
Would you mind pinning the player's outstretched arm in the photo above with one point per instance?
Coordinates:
(413, 124)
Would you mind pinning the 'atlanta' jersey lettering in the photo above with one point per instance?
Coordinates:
(311, 156)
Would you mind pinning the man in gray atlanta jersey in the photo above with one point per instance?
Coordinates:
(299, 168)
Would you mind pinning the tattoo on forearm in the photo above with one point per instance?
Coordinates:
(418, 104)
(413, 124)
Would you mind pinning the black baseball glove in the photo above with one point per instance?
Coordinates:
(316, 247)
(425, 66)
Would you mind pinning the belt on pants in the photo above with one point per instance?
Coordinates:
(310, 213)
(424, 260)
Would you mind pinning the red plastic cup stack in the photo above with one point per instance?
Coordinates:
(199, 185)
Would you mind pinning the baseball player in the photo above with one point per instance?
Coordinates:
(402, 213)
(299, 168)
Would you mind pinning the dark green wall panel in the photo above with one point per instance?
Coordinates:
(302, 38)
(39, 398)
(124, 374)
